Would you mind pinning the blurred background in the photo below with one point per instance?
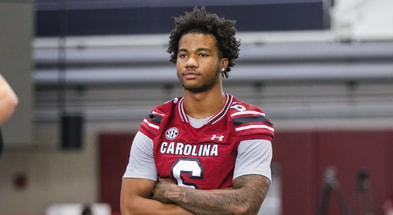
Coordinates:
(88, 71)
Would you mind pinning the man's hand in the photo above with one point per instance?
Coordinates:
(165, 189)
(136, 199)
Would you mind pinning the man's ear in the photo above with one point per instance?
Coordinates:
(224, 64)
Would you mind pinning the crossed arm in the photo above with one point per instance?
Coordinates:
(135, 198)
(141, 196)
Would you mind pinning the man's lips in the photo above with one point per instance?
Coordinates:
(190, 75)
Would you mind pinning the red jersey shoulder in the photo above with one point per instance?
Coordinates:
(150, 125)
(250, 121)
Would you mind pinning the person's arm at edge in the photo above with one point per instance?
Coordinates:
(136, 199)
(245, 197)
(8, 100)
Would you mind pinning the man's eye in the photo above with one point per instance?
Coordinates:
(203, 55)
(182, 55)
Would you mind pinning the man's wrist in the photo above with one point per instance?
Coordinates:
(175, 193)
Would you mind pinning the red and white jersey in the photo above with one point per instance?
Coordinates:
(202, 158)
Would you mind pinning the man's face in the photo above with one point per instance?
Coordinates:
(198, 63)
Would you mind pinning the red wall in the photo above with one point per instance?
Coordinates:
(114, 149)
(295, 153)
(303, 157)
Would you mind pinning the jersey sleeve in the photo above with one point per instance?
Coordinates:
(254, 157)
(251, 123)
(141, 162)
(150, 126)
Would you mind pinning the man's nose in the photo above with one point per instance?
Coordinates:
(192, 61)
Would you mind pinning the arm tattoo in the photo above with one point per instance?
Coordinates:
(246, 196)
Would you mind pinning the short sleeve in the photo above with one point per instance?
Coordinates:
(141, 161)
(254, 157)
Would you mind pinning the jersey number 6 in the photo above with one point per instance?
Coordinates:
(187, 166)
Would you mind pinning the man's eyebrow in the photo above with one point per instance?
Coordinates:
(182, 50)
(204, 49)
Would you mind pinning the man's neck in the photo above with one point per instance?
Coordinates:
(204, 104)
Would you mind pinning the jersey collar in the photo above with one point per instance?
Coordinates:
(215, 118)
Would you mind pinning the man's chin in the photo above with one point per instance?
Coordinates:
(196, 89)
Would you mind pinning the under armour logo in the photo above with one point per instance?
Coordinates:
(220, 138)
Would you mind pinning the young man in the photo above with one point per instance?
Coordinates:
(205, 152)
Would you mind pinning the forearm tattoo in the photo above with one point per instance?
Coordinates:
(246, 196)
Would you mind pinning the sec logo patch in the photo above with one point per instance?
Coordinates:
(171, 133)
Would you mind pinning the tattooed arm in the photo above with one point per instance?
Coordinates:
(245, 197)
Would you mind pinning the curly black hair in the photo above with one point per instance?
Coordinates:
(200, 21)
